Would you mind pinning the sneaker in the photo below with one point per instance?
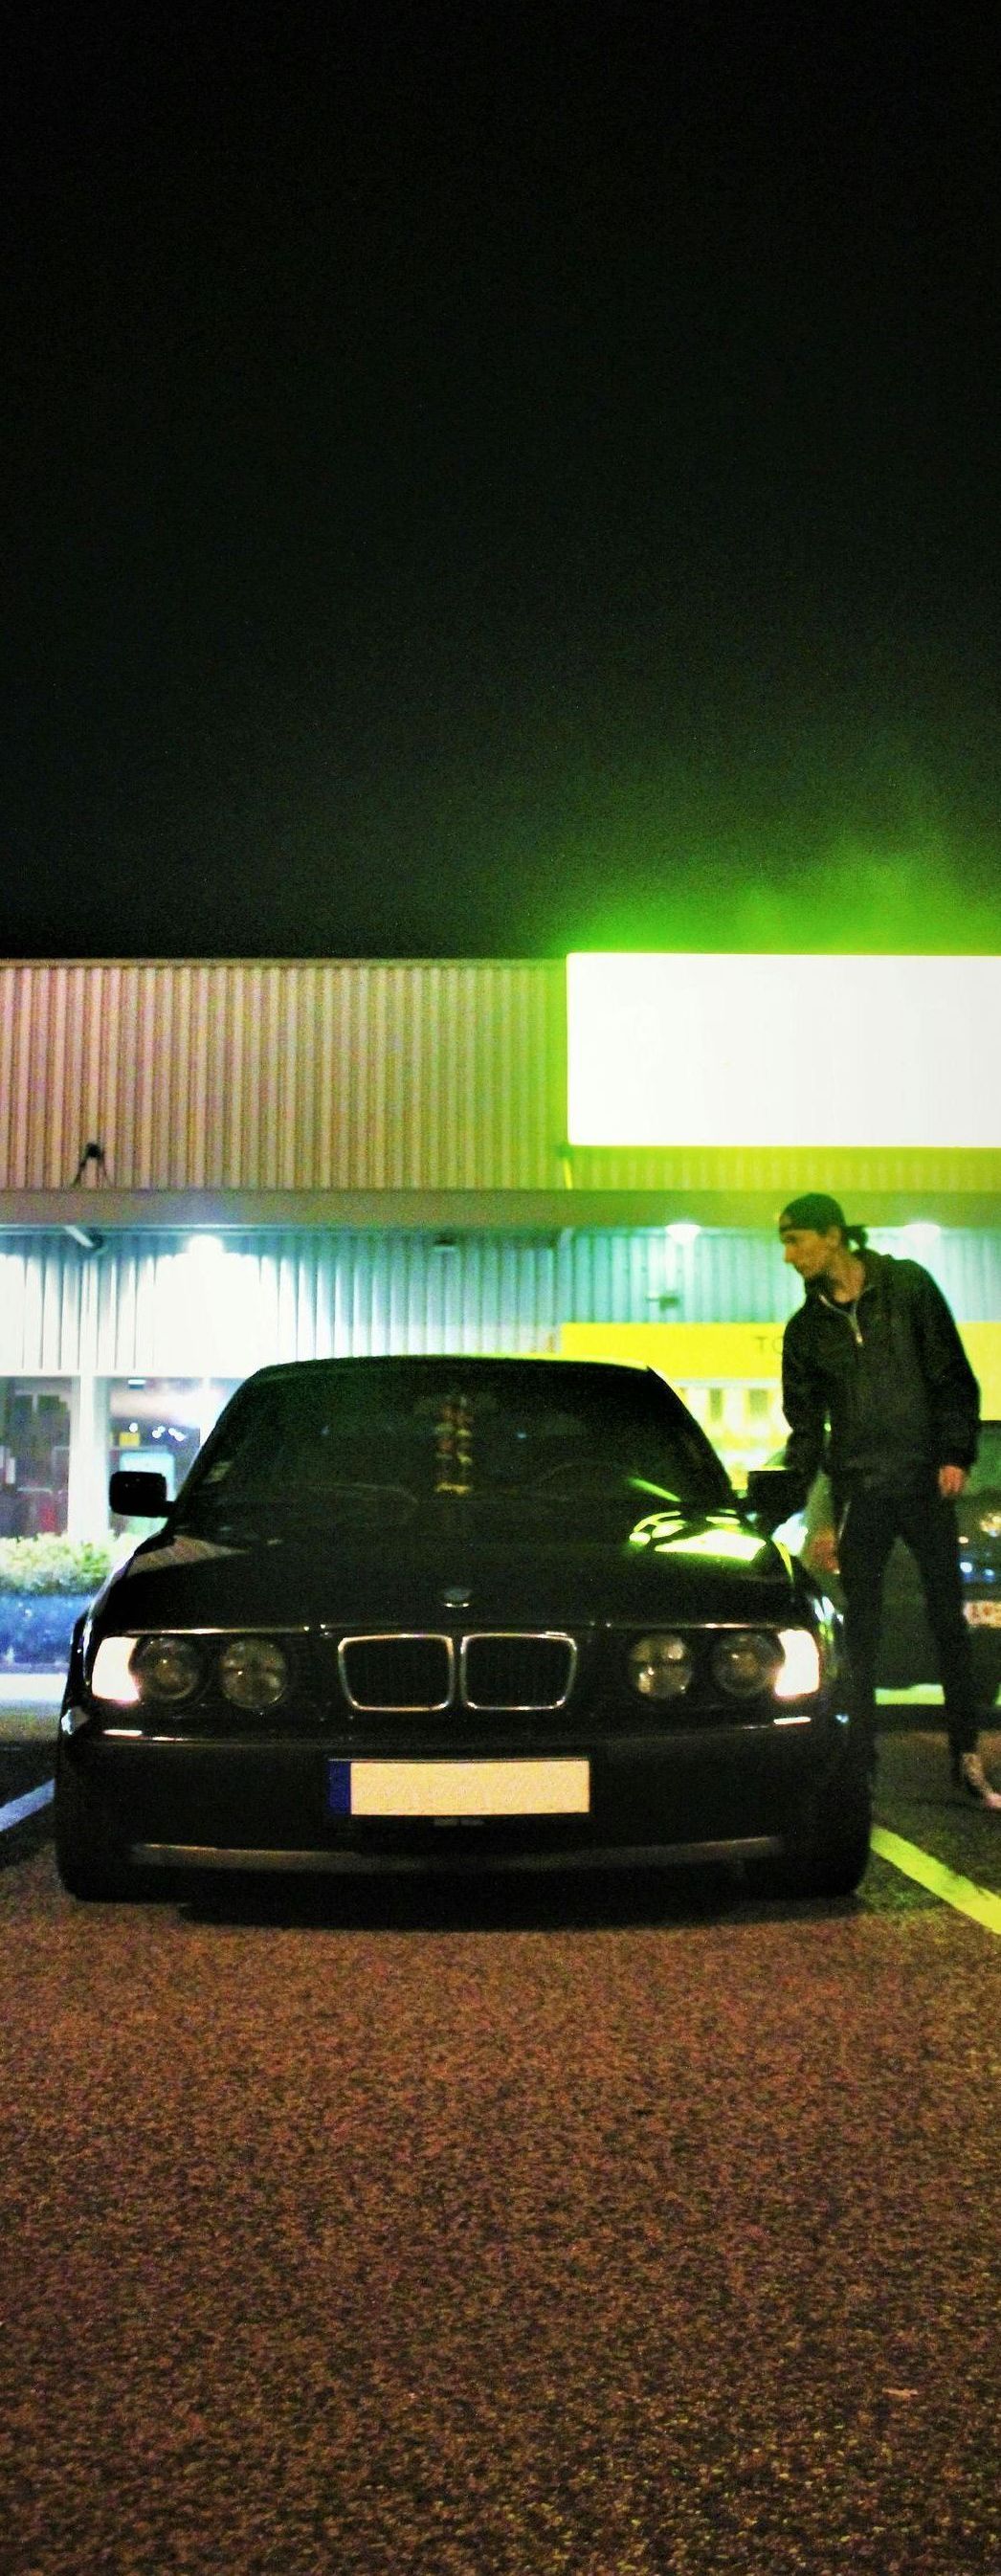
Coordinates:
(972, 1779)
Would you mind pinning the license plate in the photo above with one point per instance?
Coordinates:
(558, 1787)
(983, 1614)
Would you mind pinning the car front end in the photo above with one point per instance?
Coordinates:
(425, 1612)
(499, 1720)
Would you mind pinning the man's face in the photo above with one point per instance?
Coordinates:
(809, 1252)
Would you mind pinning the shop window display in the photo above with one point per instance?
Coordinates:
(34, 1457)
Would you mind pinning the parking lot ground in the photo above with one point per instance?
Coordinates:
(916, 1802)
(29, 1713)
(618, 2232)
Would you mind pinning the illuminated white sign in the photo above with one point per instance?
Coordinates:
(679, 1049)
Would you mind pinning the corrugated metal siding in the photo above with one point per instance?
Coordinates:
(968, 1268)
(849, 1173)
(270, 1075)
(43, 1296)
(740, 1278)
(150, 1305)
(633, 1278)
(154, 1307)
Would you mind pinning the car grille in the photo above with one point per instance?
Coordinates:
(493, 1669)
(501, 1671)
(398, 1673)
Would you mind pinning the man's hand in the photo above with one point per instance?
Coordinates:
(951, 1483)
(821, 1552)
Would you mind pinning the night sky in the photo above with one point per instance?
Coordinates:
(493, 480)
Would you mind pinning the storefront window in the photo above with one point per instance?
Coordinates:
(160, 1423)
(34, 1456)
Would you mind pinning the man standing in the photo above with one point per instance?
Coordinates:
(873, 1359)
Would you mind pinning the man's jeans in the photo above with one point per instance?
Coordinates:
(916, 1513)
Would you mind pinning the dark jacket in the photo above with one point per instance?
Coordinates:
(892, 1381)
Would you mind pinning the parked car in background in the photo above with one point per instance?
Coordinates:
(907, 1652)
(462, 1613)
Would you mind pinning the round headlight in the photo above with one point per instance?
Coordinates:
(113, 1677)
(744, 1663)
(168, 1668)
(803, 1661)
(253, 1673)
(660, 1667)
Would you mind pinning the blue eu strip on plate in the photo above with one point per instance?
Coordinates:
(339, 1788)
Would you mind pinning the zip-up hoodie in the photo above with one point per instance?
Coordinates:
(889, 1376)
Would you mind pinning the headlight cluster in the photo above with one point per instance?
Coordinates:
(742, 1661)
(166, 1667)
(166, 1671)
(661, 1667)
(253, 1672)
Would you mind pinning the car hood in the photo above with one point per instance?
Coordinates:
(662, 1567)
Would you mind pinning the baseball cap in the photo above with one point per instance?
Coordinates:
(814, 1210)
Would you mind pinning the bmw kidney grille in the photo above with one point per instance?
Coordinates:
(426, 1674)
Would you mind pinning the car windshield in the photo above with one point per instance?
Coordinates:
(329, 1435)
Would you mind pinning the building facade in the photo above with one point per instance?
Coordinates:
(207, 1165)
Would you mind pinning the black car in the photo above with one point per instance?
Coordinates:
(473, 1613)
(979, 1515)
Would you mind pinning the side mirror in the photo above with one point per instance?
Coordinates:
(772, 1494)
(979, 1511)
(138, 1494)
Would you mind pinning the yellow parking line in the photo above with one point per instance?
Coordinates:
(963, 1893)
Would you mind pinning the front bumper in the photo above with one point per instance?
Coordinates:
(264, 1801)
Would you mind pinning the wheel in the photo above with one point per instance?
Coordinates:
(90, 1857)
(833, 1860)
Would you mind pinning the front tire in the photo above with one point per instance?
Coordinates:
(90, 1857)
(987, 1677)
(833, 1857)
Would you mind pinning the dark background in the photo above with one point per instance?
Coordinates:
(489, 481)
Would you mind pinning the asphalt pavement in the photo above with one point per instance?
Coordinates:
(634, 2230)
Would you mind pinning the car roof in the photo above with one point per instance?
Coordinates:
(464, 1360)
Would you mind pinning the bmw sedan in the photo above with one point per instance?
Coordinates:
(409, 1613)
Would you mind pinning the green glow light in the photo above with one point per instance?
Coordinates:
(734, 1544)
(654, 1529)
(685, 1049)
(806, 881)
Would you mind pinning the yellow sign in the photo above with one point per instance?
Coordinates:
(748, 1354)
(708, 1352)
